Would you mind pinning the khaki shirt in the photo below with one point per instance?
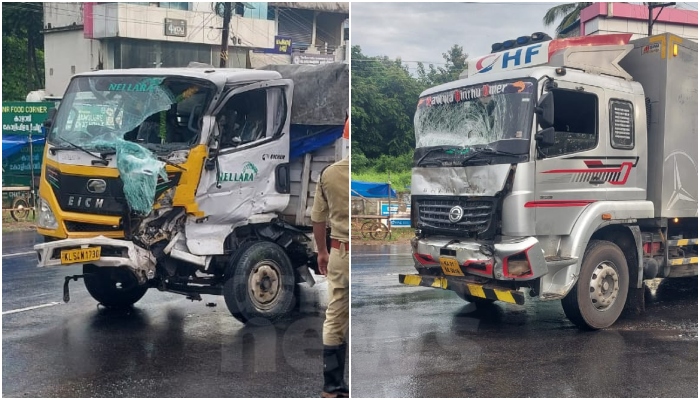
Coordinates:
(332, 199)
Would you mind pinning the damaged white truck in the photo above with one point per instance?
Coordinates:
(191, 180)
(567, 169)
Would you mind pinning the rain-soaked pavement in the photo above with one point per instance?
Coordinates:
(166, 346)
(423, 342)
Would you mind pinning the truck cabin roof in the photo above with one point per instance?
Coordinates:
(218, 76)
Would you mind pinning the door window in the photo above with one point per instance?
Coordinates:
(575, 122)
(247, 118)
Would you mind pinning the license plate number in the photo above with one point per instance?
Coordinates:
(450, 266)
(78, 256)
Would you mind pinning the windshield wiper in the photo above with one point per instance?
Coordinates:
(434, 149)
(100, 157)
(487, 151)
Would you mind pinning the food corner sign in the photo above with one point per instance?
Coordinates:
(21, 118)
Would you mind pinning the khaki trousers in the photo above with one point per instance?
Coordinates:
(335, 327)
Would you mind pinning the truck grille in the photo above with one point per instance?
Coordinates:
(74, 195)
(434, 213)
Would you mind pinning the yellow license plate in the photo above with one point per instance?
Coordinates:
(450, 266)
(78, 256)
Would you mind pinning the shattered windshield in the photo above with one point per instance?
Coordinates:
(160, 113)
(476, 115)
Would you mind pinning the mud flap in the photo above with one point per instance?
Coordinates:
(469, 288)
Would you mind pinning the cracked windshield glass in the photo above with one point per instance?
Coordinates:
(162, 114)
(477, 115)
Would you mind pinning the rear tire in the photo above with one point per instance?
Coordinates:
(598, 297)
(102, 283)
(260, 284)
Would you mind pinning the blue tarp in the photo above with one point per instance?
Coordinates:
(371, 190)
(13, 144)
(307, 138)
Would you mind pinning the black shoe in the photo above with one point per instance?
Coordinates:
(334, 372)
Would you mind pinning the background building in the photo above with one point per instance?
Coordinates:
(609, 17)
(80, 37)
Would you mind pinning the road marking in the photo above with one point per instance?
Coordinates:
(18, 254)
(55, 303)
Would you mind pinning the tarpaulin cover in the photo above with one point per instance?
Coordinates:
(13, 144)
(306, 139)
(371, 190)
(321, 92)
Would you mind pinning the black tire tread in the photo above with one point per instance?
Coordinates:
(570, 302)
(100, 286)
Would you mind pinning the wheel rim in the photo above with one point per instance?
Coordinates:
(604, 286)
(22, 210)
(264, 283)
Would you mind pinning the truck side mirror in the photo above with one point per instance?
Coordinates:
(545, 137)
(48, 122)
(545, 111)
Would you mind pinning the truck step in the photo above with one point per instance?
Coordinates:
(682, 261)
(681, 242)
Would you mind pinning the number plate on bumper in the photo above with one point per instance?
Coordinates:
(77, 256)
(450, 266)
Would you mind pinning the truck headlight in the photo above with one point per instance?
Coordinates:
(45, 218)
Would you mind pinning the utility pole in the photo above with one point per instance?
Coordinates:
(224, 35)
(652, 6)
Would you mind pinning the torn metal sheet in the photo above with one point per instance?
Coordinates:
(486, 180)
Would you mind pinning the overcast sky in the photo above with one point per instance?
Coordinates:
(423, 31)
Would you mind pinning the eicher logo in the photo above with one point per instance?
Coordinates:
(85, 202)
(247, 174)
(266, 157)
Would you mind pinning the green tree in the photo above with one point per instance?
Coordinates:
(567, 14)
(384, 97)
(22, 49)
(455, 64)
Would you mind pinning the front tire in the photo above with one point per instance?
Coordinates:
(112, 287)
(260, 283)
(598, 297)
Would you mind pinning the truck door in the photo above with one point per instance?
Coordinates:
(571, 174)
(253, 140)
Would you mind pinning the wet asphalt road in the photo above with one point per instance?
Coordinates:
(424, 342)
(166, 346)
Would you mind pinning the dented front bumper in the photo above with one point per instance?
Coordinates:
(113, 253)
(507, 259)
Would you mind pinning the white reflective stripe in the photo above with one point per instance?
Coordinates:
(19, 254)
(32, 308)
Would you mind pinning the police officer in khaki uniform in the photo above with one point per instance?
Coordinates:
(331, 205)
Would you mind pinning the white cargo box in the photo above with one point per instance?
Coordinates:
(667, 67)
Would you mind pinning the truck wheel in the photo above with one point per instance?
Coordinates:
(20, 210)
(260, 283)
(599, 295)
(112, 287)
